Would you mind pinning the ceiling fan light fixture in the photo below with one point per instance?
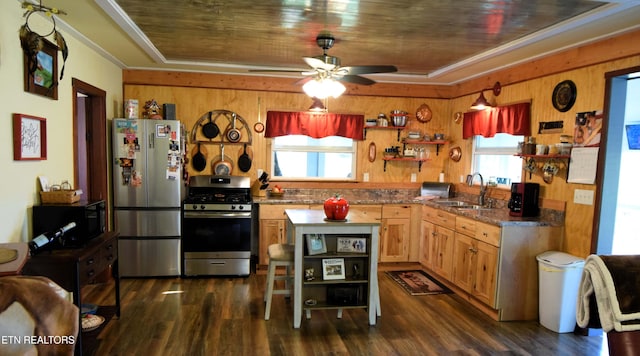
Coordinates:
(323, 88)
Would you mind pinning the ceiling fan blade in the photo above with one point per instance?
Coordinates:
(276, 71)
(356, 79)
(369, 69)
(322, 62)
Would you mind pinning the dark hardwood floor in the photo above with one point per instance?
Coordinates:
(225, 316)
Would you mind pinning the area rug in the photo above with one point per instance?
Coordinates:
(417, 282)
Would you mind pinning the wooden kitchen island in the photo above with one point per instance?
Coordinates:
(358, 288)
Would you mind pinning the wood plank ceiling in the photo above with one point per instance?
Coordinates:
(427, 40)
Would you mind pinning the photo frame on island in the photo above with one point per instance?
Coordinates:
(29, 138)
(41, 71)
(351, 245)
(316, 244)
(333, 268)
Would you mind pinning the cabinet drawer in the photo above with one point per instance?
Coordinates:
(396, 211)
(439, 217)
(488, 233)
(372, 211)
(109, 253)
(466, 226)
(269, 211)
(90, 267)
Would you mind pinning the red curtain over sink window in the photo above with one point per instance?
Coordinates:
(512, 119)
(316, 125)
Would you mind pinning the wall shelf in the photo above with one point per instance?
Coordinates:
(409, 159)
(543, 158)
(438, 143)
(399, 128)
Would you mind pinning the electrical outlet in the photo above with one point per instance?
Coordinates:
(365, 177)
(413, 177)
(583, 196)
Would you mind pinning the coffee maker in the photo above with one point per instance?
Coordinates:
(524, 199)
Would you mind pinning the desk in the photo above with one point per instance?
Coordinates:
(73, 268)
(301, 222)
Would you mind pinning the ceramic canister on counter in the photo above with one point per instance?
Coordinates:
(131, 108)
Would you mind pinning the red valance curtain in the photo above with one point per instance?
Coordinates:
(512, 119)
(316, 125)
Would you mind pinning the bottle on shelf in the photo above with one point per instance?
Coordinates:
(45, 239)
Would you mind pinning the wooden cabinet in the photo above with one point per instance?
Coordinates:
(73, 268)
(493, 267)
(396, 233)
(475, 268)
(272, 227)
(437, 241)
(475, 259)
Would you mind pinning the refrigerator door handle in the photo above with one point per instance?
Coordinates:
(152, 143)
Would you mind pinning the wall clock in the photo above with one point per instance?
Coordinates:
(564, 96)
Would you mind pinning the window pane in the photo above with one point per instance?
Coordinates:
(302, 157)
(494, 157)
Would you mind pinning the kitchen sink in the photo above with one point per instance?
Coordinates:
(454, 203)
(472, 207)
(459, 204)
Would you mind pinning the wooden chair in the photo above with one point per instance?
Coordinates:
(279, 255)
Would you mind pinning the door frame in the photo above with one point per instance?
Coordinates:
(605, 169)
(95, 121)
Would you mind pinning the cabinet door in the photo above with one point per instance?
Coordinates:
(394, 244)
(486, 271)
(426, 257)
(463, 261)
(272, 231)
(443, 251)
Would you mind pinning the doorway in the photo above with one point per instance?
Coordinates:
(90, 145)
(618, 204)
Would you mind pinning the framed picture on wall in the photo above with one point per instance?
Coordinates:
(29, 138)
(41, 72)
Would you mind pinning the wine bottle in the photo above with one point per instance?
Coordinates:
(41, 241)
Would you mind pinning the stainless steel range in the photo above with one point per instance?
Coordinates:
(216, 226)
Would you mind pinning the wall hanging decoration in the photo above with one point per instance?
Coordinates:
(564, 96)
(29, 138)
(40, 55)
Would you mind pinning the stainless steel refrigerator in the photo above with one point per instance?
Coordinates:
(147, 194)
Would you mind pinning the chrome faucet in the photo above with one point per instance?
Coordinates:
(483, 188)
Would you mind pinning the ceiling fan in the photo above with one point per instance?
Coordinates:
(328, 67)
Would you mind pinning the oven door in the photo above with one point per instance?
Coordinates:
(208, 234)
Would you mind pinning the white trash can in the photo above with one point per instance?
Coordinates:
(559, 276)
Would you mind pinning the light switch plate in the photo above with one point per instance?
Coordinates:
(583, 196)
(413, 177)
(365, 177)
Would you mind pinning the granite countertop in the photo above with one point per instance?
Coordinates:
(495, 216)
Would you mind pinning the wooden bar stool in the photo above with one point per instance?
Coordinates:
(279, 255)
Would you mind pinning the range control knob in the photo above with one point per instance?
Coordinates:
(202, 207)
(241, 207)
(233, 207)
(194, 207)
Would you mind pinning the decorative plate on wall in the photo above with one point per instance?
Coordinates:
(564, 95)
(423, 113)
(455, 153)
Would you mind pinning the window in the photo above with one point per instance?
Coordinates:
(494, 158)
(303, 157)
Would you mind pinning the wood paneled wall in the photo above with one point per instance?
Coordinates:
(196, 93)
